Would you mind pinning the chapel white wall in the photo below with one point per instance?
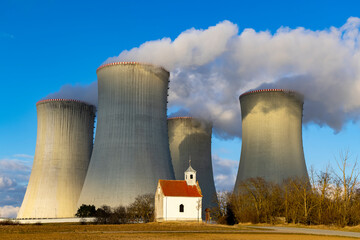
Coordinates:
(191, 213)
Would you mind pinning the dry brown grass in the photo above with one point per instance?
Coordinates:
(323, 227)
(150, 231)
(120, 227)
(157, 236)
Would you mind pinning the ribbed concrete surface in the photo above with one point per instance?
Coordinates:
(63, 150)
(131, 149)
(192, 137)
(271, 136)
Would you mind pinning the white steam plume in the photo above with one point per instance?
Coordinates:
(85, 93)
(211, 68)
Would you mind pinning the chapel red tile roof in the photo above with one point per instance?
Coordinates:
(179, 188)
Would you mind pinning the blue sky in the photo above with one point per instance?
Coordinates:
(45, 45)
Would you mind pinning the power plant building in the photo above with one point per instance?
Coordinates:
(271, 136)
(62, 154)
(191, 138)
(131, 150)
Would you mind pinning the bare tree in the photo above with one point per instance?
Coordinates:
(257, 201)
(223, 212)
(300, 199)
(348, 179)
(330, 197)
(103, 214)
(198, 208)
(142, 209)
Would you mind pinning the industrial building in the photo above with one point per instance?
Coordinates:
(272, 145)
(191, 138)
(131, 149)
(63, 149)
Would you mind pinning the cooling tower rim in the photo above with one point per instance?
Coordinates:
(129, 63)
(270, 90)
(198, 119)
(183, 117)
(62, 100)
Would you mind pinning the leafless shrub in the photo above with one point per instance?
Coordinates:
(142, 209)
(9, 222)
(330, 197)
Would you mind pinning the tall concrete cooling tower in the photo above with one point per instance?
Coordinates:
(271, 136)
(62, 155)
(191, 137)
(131, 150)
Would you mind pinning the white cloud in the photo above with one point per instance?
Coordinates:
(210, 68)
(23, 156)
(14, 165)
(14, 176)
(6, 183)
(225, 172)
(191, 48)
(323, 65)
(9, 211)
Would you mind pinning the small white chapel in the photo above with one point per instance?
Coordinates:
(179, 200)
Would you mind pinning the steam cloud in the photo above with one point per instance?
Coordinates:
(86, 93)
(211, 68)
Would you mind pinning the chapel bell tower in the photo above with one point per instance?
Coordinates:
(190, 175)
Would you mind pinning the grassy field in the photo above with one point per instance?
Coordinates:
(150, 231)
(324, 227)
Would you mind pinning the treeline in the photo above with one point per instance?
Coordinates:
(141, 210)
(328, 197)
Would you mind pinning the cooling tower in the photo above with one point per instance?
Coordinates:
(62, 154)
(191, 137)
(271, 136)
(131, 150)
